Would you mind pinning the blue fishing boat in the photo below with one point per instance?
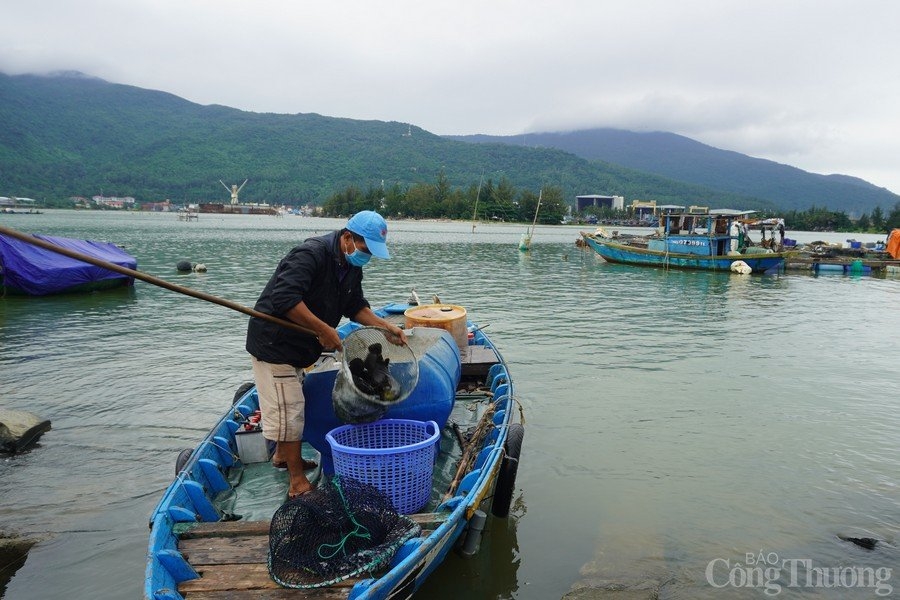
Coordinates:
(213, 533)
(30, 270)
(717, 240)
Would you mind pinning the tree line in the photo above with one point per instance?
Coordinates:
(485, 201)
(502, 201)
(822, 219)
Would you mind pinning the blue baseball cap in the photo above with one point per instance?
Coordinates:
(372, 227)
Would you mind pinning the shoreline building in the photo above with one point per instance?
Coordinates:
(596, 200)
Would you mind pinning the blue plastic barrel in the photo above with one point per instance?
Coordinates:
(431, 400)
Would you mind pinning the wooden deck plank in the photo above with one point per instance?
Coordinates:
(225, 550)
(229, 577)
(249, 528)
(223, 578)
(478, 355)
(276, 594)
(223, 529)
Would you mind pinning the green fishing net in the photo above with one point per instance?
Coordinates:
(340, 530)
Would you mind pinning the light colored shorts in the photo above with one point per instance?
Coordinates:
(281, 401)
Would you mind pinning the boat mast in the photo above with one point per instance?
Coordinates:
(540, 195)
(477, 196)
(525, 241)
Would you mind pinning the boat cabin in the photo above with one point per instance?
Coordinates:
(713, 233)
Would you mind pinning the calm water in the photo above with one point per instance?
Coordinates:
(672, 418)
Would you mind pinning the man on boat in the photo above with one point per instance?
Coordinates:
(315, 285)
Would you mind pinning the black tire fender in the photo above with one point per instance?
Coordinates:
(183, 457)
(506, 479)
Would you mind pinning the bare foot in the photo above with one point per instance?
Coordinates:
(308, 465)
(296, 494)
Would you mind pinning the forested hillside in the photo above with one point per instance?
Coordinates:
(72, 135)
(683, 159)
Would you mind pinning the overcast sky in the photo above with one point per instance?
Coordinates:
(810, 83)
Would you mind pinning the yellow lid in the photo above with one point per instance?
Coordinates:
(435, 312)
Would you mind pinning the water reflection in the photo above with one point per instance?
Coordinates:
(491, 573)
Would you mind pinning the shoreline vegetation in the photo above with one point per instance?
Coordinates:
(501, 201)
(617, 220)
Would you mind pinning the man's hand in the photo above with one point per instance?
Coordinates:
(329, 339)
(395, 335)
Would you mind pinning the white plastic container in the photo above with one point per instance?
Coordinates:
(251, 446)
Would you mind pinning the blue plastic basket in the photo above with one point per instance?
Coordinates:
(394, 455)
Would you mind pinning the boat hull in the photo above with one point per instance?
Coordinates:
(612, 251)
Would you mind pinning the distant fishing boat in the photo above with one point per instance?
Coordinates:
(19, 206)
(714, 241)
(525, 240)
(30, 211)
(219, 531)
(27, 269)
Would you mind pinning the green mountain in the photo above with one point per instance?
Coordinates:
(683, 159)
(72, 135)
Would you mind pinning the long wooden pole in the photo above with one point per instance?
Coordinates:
(534, 222)
(151, 279)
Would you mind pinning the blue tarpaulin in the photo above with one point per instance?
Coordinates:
(33, 270)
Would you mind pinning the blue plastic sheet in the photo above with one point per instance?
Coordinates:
(36, 271)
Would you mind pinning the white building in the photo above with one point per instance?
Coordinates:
(613, 202)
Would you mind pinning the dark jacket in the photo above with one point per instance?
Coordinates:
(311, 272)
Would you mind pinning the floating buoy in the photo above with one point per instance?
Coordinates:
(184, 266)
(741, 267)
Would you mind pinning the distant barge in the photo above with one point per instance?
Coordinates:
(237, 209)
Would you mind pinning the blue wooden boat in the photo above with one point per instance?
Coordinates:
(210, 531)
(712, 241)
